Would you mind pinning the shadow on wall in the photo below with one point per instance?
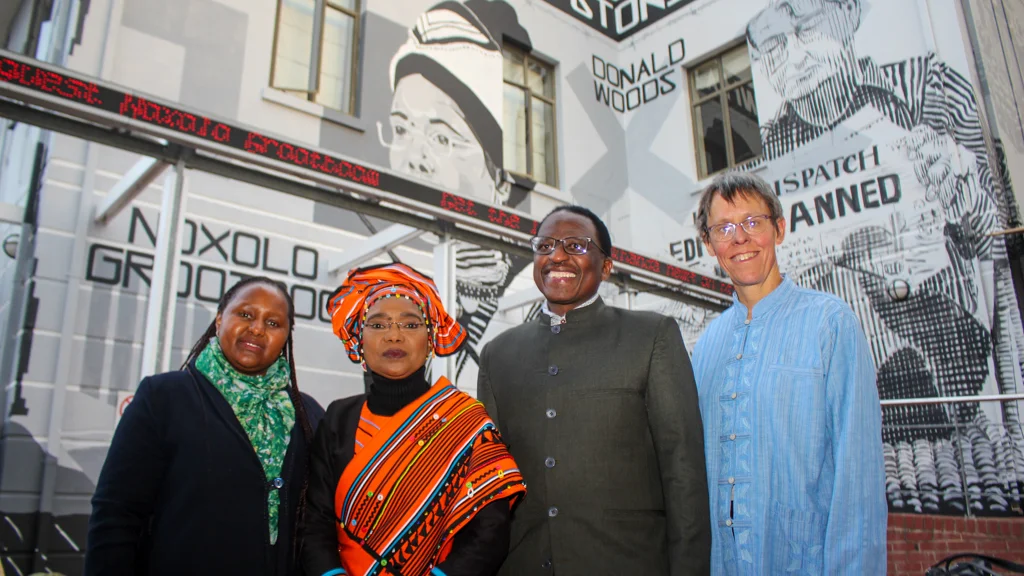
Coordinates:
(62, 538)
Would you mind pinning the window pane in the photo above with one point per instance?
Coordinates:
(294, 45)
(746, 138)
(736, 65)
(514, 147)
(540, 78)
(542, 136)
(336, 61)
(706, 79)
(513, 65)
(712, 136)
(349, 5)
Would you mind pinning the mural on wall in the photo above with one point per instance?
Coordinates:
(889, 197)
(445, 128)
(618, 19)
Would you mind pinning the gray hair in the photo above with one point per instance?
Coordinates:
(731, 185)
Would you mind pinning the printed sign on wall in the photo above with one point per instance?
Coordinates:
(618, 19)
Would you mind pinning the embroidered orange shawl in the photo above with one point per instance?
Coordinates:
(424, 476)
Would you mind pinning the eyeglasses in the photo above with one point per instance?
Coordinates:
(442, 143)
(771, 30)
(379, 327)
(754, 226)
(573, 245)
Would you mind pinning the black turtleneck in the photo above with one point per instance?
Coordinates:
(385, 397)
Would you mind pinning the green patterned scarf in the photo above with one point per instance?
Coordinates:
(262, 406)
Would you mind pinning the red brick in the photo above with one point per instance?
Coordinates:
(934, 545)
(991, 546)
(923, 556)
(915, 567)
(900, 546)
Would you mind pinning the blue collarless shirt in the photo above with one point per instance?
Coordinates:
(793, 438)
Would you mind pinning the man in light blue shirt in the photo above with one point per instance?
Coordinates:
(792, 422)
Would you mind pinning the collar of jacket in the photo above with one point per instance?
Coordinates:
(766, 305)
(576, 315)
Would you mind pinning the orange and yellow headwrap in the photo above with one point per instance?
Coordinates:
(364, 286)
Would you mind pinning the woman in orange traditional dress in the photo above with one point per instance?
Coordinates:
(408, 479)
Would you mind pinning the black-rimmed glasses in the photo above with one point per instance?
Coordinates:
(573, 245)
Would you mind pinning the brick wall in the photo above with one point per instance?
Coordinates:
(917, 541)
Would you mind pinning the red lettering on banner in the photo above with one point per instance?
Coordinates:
(187, 123)
(305, 158)
(503, 218)
(286, 152)
(142, 109)
(222, 133)
(50, 82)
(680, 274)
(11, 71)
(457, 204)
(329, 164)
(632, 259)
(256, 143)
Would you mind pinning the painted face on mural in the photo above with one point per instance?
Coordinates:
(568, 280)
(747, 257)
(395, 340)
(432, 140)
(800, 44)
(253, 328)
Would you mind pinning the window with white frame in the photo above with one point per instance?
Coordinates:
(315, 48)
(529, 117)
(724, 112)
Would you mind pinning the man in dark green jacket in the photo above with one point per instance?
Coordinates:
(599, 408)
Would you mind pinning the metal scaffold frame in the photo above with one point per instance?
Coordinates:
(60, 100)
(168, 135)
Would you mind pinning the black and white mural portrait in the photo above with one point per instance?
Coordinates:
(890, 200)
(445, 126)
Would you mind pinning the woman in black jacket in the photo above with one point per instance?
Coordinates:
(207, 470)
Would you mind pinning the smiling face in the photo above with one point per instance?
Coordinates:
(432, 140)
(749, 260)
(253, 328)
(391, 352)
(568, 280)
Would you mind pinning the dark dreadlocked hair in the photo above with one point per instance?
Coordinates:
(289, 353)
